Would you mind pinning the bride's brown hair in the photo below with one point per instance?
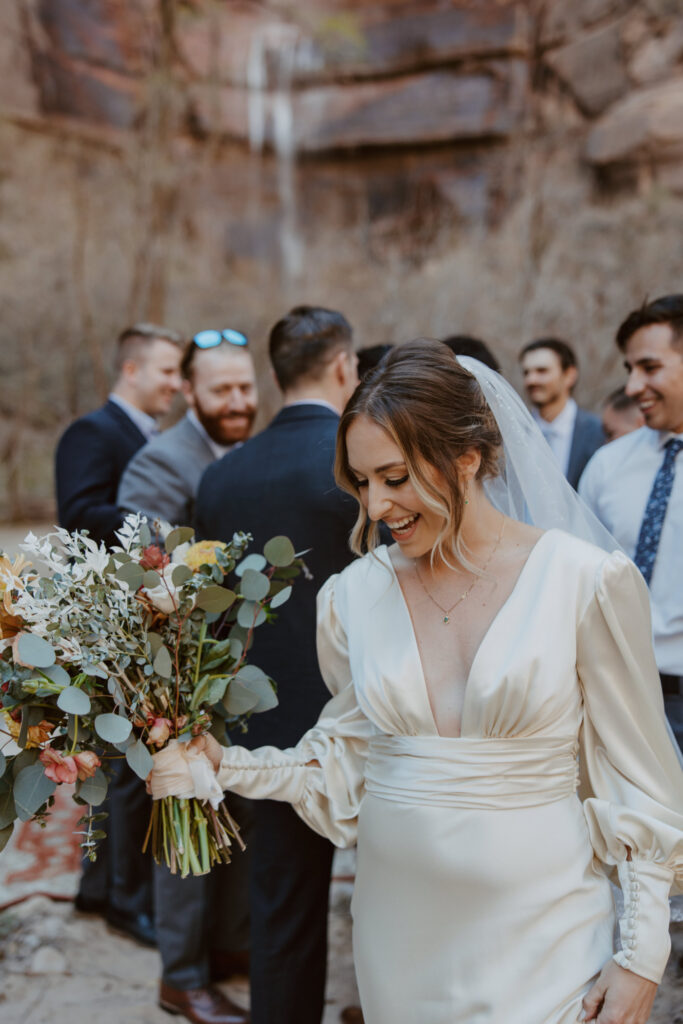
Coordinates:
(434, 411)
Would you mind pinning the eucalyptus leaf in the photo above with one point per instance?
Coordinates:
(215, 599)
(200, 693)
(280, 551)
(163, 665)
(239, 700)
(31, 789)
(132, 574)
(181, 574)
(8, 811)
(58, 675)
(82, 733)
(112, 728)
(151, 579)
(74, 701)
(35, 651)
(144, 535)
(23, 759)
(281, 597)
(217, 689)
(255, 585)
(217, 730)
(257, 682)
(216, 652)
(3, 764)
(5, 835)
(255, 562)
(93, 790)
(139, 759)
(114, 688)
(247, 611)
(180, 535)
(155, 641)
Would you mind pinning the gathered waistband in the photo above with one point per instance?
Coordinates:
(476, 773)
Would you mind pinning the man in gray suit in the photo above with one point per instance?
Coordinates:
(219, 386)
(202, 923)
(550, 373)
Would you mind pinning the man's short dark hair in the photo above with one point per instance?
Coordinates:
(370, 357)
(304, 341)
(619, 401)
(666, 310)
(133, 340)
(466, 345)
(562, 350)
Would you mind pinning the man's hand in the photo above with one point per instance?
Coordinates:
(618, 997)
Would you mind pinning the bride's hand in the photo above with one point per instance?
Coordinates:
(618, 997)
(206, 745)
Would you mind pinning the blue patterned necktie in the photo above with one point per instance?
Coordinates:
(655, 511)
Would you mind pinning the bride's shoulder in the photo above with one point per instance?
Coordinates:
(580, 556)
(360, 575)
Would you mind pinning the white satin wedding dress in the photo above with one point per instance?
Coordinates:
(481, 892)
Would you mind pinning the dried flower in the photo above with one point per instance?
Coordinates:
(87, 762)
(37, 734)
(153, 557)
(159, 732)
(58, 767)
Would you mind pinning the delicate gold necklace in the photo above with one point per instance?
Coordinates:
(446, 612)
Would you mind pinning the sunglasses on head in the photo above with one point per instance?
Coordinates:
(211, 339)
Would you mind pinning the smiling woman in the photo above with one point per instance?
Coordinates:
(470, 663)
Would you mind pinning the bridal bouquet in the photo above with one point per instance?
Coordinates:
(127, 652)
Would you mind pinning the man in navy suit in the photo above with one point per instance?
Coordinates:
(550, 373)
(91, 457)
(282, 482)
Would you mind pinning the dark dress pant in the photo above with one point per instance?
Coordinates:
(203, 914)
(291, 867)
(672, 688)
(121, 877)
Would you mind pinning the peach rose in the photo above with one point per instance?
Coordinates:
(159, 732)
(58, 767)
(86, 763)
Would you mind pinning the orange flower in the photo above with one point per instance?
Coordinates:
(153, 557)
(10, 580)
(159, 732)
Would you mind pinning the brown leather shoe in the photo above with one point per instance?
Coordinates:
(201, 1005)
(352, 1015)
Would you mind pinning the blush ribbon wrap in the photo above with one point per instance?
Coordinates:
(184, 772)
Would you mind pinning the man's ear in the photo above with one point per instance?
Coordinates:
(571, 375)
(340, 368)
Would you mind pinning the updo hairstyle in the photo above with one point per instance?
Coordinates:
(434, 411)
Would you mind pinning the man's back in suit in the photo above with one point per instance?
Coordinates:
(91, 456)
(282, 482)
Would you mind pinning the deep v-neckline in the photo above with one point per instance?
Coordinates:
(489, 629)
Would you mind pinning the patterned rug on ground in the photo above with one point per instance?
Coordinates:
(43, 860)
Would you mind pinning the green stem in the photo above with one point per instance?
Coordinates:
(75, 740)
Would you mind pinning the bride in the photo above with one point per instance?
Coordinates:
(496, 742)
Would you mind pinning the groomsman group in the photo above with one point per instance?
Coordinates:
(266, 914)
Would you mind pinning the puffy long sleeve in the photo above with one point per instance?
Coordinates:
(323, 775)
(630, 769)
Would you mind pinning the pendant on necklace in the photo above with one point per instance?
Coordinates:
(446, 619)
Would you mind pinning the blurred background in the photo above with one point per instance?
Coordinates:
(499, 168)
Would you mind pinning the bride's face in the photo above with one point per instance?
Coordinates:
(386, 490)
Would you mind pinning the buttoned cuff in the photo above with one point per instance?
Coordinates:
(263, 774)
(644, 926)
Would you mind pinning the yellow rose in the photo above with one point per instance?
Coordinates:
(202, 553)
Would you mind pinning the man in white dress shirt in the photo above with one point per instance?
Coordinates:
(635, 484)
(550, 372)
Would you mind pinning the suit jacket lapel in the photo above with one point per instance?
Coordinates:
(125, 422)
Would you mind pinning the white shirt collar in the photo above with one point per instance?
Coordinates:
(145, 423)
(218, 449)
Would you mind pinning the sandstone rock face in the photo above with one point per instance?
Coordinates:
(428, 167)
